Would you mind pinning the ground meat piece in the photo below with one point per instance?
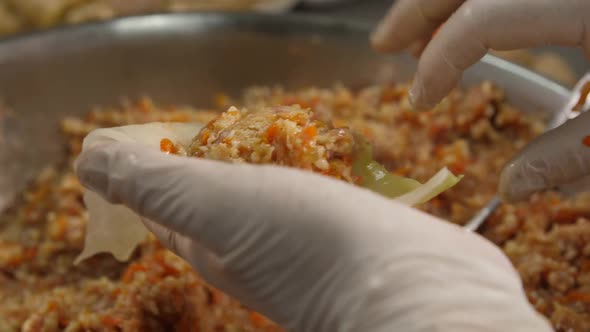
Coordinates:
(284, 135)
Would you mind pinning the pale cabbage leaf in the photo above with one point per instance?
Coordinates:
(405, 190)
(113, 228)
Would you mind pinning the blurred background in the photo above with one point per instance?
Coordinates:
(19, 16)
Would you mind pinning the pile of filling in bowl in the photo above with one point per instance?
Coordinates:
(474, 132)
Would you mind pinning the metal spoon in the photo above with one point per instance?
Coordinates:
(577, 103)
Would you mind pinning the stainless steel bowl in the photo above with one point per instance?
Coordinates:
(186, 59)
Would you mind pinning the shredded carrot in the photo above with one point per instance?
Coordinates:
(439, 152)
(309, 133)
(257, 319)
(578, 296)
(436, 131)
(111, 321)
(52, 305)
(586, 141)
(458, 167)
(217, 296)
(167, 146)
(272, 132)
(205, 137)
(168, 269)
(61, 227)
(131, 270)
(567, 215)
(116, 292)
(391, 95)
(211, 124)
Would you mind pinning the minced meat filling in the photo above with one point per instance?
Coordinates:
(284, 135)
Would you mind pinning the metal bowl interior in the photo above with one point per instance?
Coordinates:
(186, 59)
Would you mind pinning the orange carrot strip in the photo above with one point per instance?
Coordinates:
(111, 321)
(205, 137)
(272, 132)
(131, 270)
(310, 132)
(257, 319)
(167, 146)
(578, 296)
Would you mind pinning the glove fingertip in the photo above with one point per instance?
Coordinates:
(383, 38)
(417, 100)
(517, 182)
(91, 168)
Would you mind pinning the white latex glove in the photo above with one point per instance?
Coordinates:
(472, 28)
(313, 253)
(561, 157)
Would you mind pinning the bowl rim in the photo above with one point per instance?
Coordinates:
(315, 21)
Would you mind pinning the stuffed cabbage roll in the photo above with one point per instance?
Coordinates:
(290, 136)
